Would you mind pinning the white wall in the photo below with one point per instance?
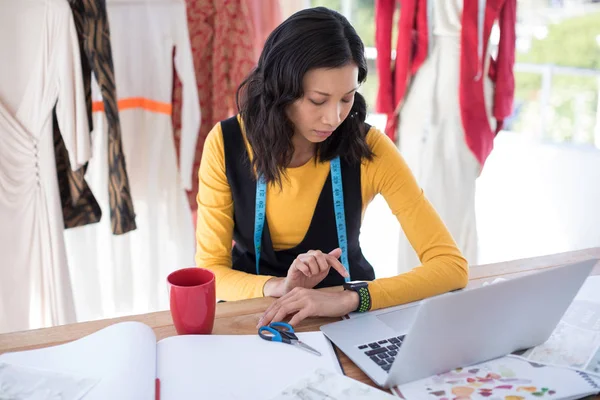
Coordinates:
(535, 199)
(532, 199)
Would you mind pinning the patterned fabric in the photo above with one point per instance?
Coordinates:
(78, 202)
(222, 38)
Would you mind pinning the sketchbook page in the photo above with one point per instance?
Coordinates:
(236, 366)
(327, 385)
(501, 378)
(590, 290)
(575, 342)
(25, 383)
(122, 357)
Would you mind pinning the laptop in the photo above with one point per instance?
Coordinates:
(459, 328)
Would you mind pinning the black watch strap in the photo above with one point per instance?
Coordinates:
(364, 297)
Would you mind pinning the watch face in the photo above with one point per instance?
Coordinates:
(357, 284)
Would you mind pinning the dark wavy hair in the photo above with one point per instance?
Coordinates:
(309, 39)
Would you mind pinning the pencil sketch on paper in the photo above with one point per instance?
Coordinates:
(575, 342)
(326, 385)
(24, 383)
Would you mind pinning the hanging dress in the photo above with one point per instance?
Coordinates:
(432, 137)
(125, 274)
(40, 71)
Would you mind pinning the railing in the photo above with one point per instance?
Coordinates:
(585, 114)
(554, 111)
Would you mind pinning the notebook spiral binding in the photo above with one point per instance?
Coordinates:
(589, 380)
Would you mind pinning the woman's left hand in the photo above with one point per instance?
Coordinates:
(304, 303)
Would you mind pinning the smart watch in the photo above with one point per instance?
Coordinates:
(364, 297)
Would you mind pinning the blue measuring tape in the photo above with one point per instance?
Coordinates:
(338, 204)
(259, 217)
(340, 216)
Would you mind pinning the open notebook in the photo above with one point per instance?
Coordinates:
(123, 361)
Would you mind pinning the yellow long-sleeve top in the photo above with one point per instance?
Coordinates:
(443, 268)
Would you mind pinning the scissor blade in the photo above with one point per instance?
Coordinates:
(307, 348)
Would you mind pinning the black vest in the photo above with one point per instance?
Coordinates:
(321, 234)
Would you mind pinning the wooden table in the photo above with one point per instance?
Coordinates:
(240, 317)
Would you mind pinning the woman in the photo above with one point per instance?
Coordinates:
(301, 130)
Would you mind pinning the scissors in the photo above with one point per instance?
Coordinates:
(283, 332)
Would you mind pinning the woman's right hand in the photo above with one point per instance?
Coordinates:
(307, 271)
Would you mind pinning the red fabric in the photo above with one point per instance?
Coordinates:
(412, 51)
(384, 15)
(504, 68)
(222, 39)
(266, 15)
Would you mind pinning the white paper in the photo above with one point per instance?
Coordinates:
(501, 378)
(122, 357)
(236, 366)
(497, 280)
(326, 385)
(575, 342)
(24, 383)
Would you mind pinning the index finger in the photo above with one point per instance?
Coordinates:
(268, 315)
(337, 265)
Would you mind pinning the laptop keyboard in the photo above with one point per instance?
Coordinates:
(383, 352)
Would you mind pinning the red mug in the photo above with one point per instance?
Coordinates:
(192, 297)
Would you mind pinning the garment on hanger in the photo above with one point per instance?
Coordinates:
(449, 104)
(78, 202)
(412, 49)
(44, 73)
(222, 38)
(125, 274)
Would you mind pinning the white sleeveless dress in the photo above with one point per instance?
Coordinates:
(432, 137)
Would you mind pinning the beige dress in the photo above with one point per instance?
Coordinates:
(40, 68)
(126, 274)
(432, 137)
